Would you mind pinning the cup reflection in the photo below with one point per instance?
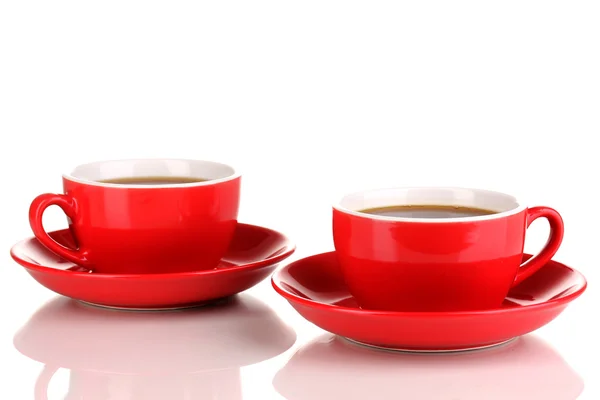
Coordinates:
(332, 368)
(187, 354)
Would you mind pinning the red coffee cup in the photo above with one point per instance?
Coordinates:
(145, 228)
(437, 264)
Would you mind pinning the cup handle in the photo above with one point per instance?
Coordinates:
(40, 391)
(69, 207)
(530, 266)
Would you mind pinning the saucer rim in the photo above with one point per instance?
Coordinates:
(561, 301)
(288, 246)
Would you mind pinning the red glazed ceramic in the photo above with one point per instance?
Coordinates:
(437, 264)
(137, 229)
(253, 255)
(315, 287)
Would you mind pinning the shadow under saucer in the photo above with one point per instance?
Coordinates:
(192, 353)
(332, 368)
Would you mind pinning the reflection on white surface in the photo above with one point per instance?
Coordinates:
(187, 354)
(332, 368)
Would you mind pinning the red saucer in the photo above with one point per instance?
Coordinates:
(252, 256)
(315, 288)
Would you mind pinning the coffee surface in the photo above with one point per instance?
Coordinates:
(427, 211)
(154, 180)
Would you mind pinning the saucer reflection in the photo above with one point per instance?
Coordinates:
(332, 368)
(187, 354)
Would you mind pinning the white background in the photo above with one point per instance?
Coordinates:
(309, 100)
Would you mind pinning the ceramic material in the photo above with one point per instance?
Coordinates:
(315, 287)
(431, 264)
(144, 229)
(252, 256)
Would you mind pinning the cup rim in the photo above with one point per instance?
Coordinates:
(85, 181)
(498, 215)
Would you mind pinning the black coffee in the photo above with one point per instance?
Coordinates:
(154, 180)
(428, 211)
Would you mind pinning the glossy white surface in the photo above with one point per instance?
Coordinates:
(504, 204)
(311, 101)
(256, 347)
(90, 173)
(152, 355)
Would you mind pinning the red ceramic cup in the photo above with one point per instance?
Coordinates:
(441, 264)
(130, 228)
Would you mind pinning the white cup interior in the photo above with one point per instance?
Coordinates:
(501, 203)
(210, 171)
